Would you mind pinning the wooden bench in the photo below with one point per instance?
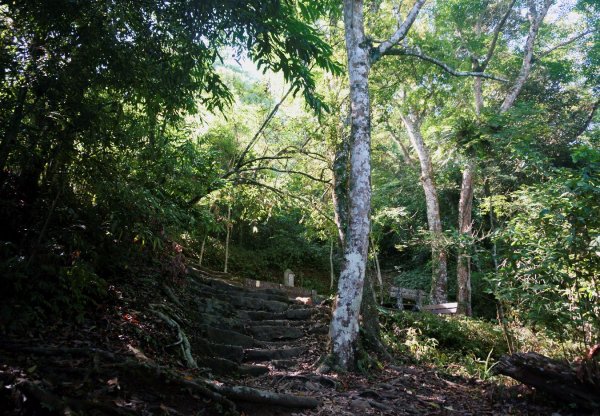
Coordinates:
(401, 293)
(442, 308)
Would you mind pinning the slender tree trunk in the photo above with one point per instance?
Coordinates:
(465, 214)
(463, 267)
(227, 238)
(439, 280)
(377, 269)
(500, 315)
(202, 249)
(344, 323)
(463, 272)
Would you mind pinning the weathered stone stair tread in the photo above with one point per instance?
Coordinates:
(256, 295)
(233, 353)
(223, 286)
(256, 304)
(275, 333)
(223, 366)
(292, 314)
(228, 337)
(283, 364)
(278, 322)
(272, 354)
(321, 329)
(253, 370)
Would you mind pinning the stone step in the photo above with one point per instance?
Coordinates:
(257, 304)
(291, 314)
(233, 353)
(277, 322)
(276, 333)
(299, 314)
(267, 294)
(225, 367)
(263, 354)
(322, 329)
(227, 337)
(283, 364)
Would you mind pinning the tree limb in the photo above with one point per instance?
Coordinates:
(399, 34)
(418, 54)
(252, 182)
(565, 43)
(495, 36)
(271, 168)
(240, 159)
(536, 18)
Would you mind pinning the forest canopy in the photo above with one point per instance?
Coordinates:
(137, 134)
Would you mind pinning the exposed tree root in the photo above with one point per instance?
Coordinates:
(250, 394)
(183, 342)
(171, 295)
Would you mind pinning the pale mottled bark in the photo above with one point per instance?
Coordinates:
(439, 279)
(344, 323)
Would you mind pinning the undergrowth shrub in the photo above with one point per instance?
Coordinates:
(460, 345)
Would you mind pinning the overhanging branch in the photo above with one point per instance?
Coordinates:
(418, 54)
(565, 43)
(295, 172)
(252, 182)
(399, 34)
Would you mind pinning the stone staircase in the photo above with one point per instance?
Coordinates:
(248, 332)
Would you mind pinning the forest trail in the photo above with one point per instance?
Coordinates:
(256, 353)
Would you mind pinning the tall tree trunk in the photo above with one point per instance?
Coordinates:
(463, 267)
(439, 279)
(344, 322)
(465, 213)
(227, 238)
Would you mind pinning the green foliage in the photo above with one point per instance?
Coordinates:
(99, 154)
(449, 334)
(552, 238)
(459, 345)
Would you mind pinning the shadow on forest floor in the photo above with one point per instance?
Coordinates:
(255, 353)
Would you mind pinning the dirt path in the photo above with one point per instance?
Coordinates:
(208, 346)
